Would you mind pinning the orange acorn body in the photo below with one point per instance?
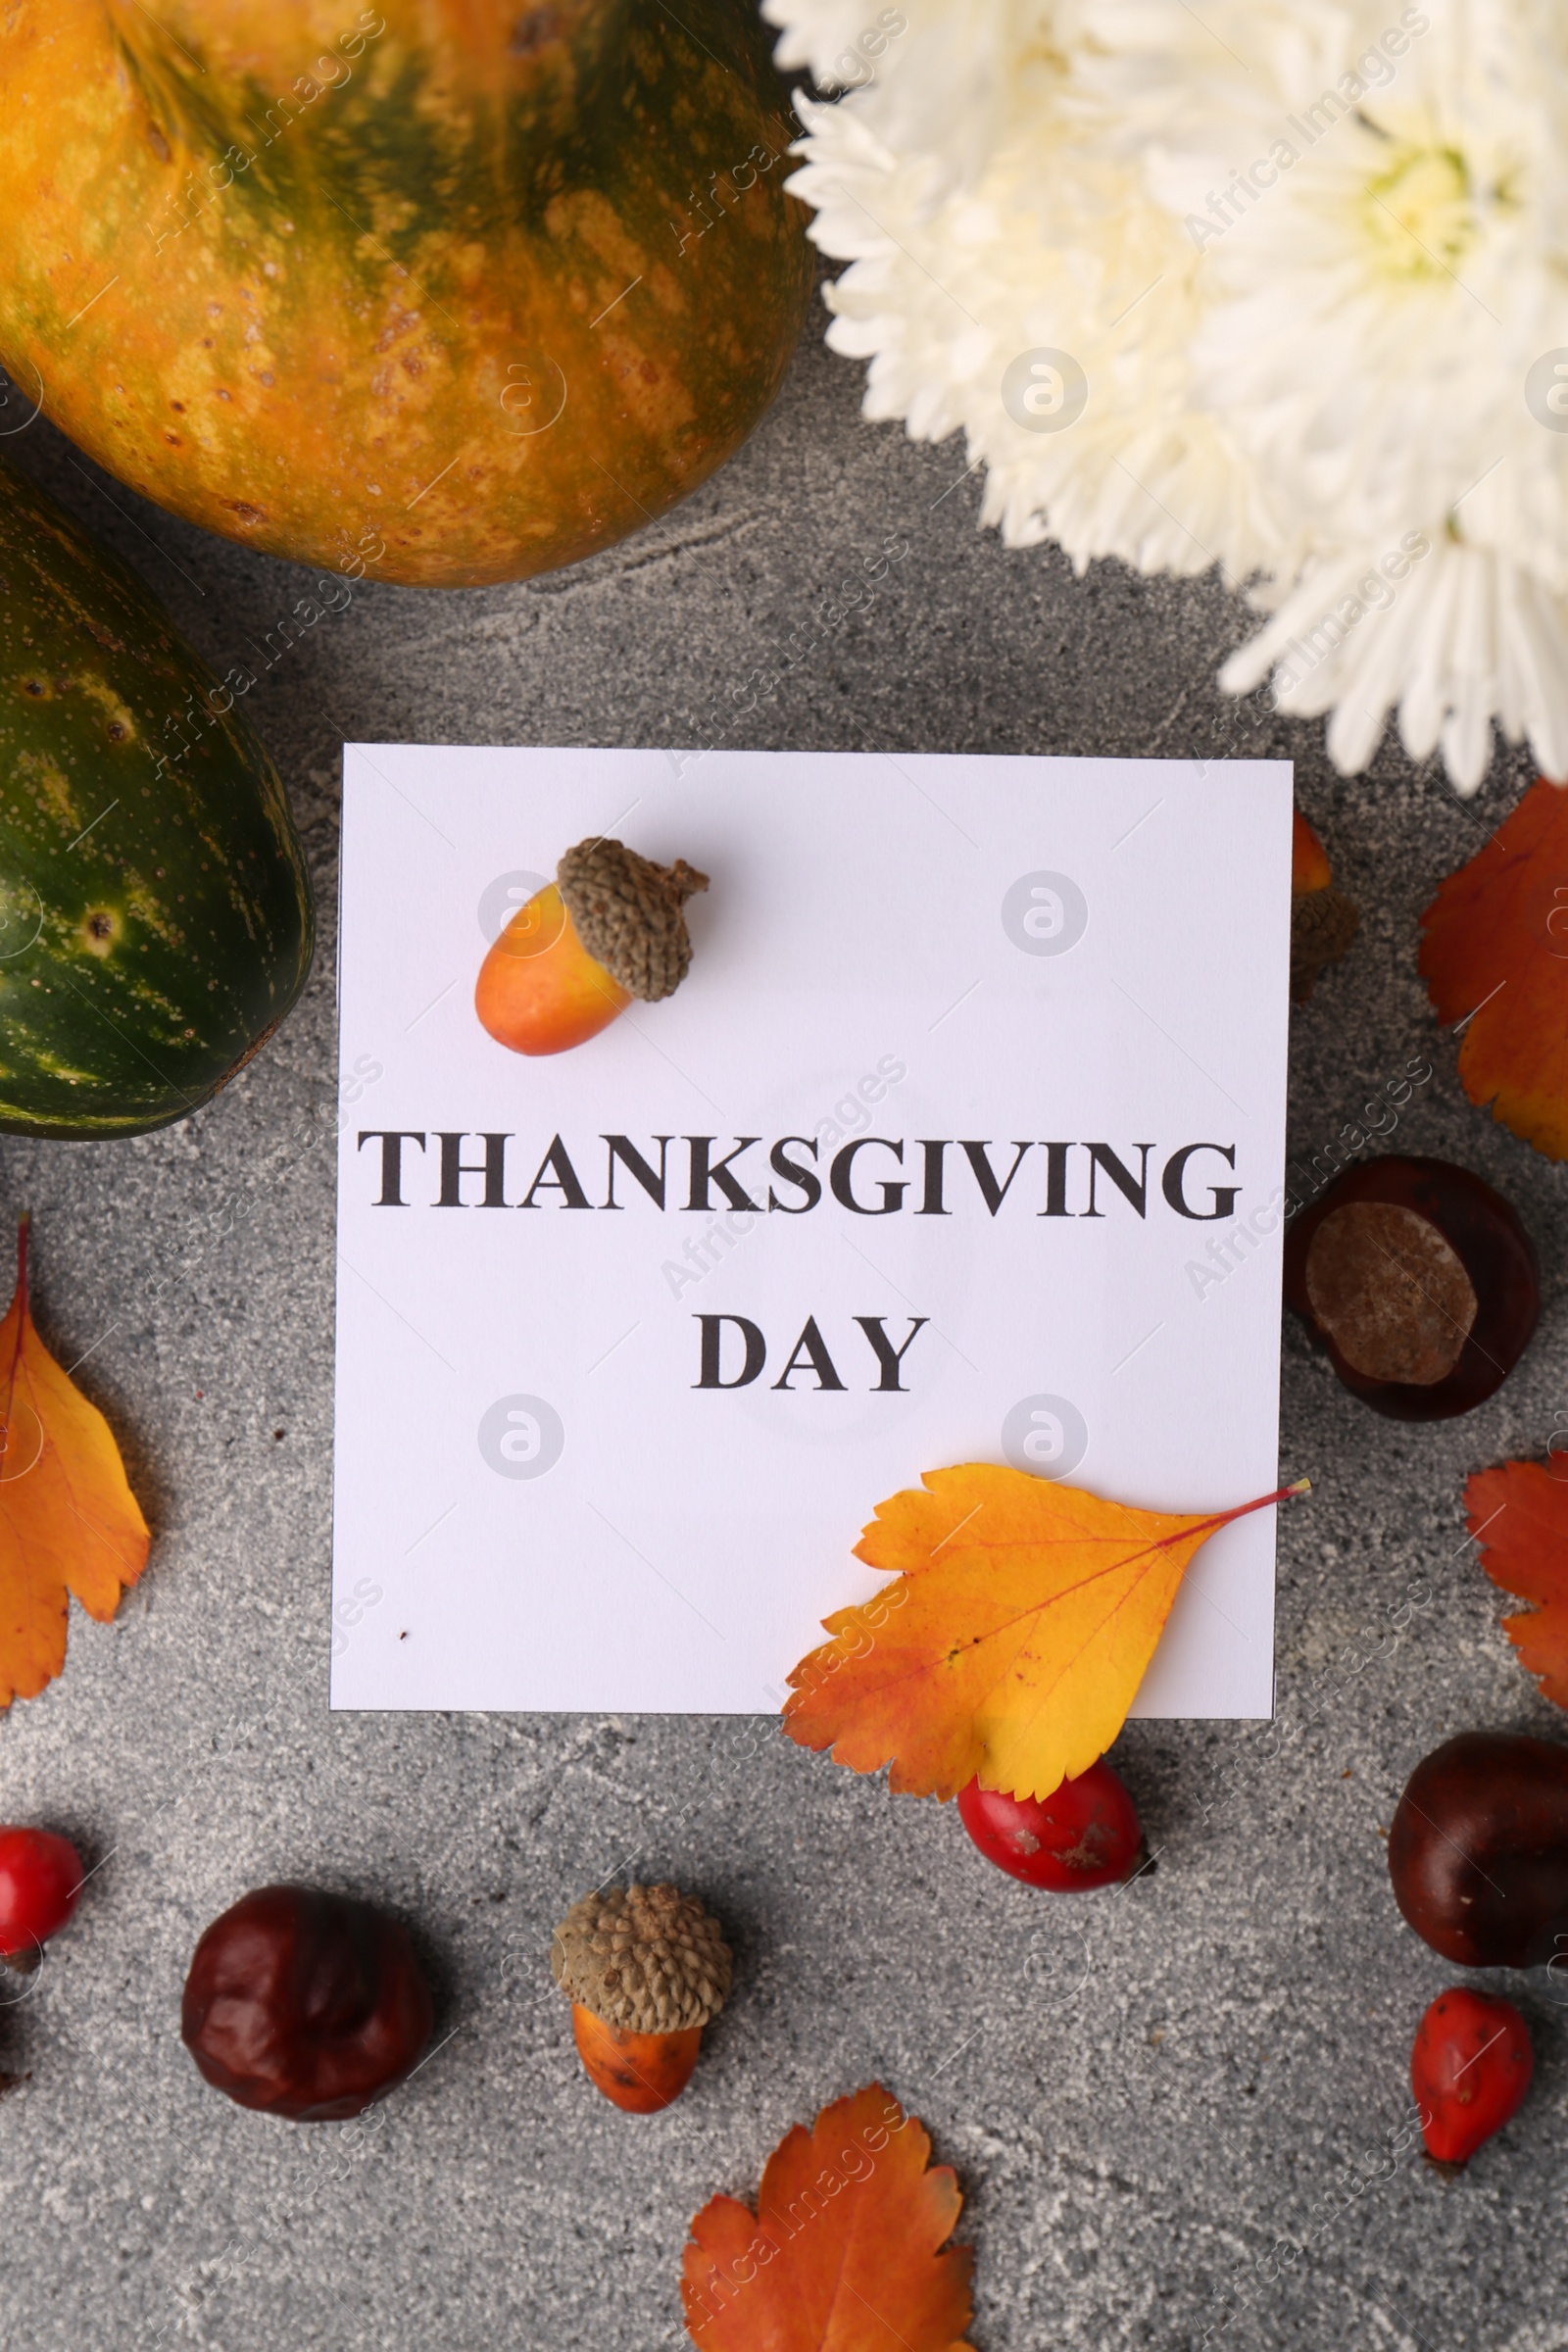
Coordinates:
(641, 2072)
(646, 1968)
(539, 989)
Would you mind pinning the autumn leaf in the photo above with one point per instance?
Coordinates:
(1494, 956)
(1309, 859)
(1323, 920)
(842, 2254)
(69, 1521)
(1013, 1645)
(1523, 1511)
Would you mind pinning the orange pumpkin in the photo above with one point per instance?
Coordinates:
(451, 290)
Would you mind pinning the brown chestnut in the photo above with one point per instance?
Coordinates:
(1420, 1282)
(305, 2004)
(1479, 1850)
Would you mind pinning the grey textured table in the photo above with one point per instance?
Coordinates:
(1142, 2092)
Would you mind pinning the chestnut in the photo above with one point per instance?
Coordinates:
(1419, 1280)
(305, 2004)
(1479, 1850)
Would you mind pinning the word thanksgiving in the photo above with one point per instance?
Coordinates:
(870, 1176)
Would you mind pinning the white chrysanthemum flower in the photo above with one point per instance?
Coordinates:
(1451, 635)
(1305, 260)
(962, 259)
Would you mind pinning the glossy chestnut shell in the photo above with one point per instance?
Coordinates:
(1478, 1851)
(304, 2004)
(1492, 1245)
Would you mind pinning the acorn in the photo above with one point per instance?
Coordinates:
(608, 928)
(647, 1968)
(1323, 920)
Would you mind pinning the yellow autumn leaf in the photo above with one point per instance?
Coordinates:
(69, 1521)
(1012, 1643)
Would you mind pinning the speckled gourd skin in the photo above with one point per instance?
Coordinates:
(155, 920)
(314, 276)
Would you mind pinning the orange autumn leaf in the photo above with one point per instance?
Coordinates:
(1013, 1645)
(69, 1521)
(842, 2252)
(1494, 956)
(1523, 1512)
(1324, 923)
(1309, 859)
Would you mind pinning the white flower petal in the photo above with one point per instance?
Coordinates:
(1307, 262)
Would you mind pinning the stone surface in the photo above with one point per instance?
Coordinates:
(1153, 2097)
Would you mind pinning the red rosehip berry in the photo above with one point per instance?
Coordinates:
(1469, 2071)
(1085, 1834)
(40, 1879)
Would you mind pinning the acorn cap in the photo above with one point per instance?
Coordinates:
(650, 1960)
(627, 913)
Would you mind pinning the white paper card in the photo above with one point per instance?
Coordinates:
(1025, 1021)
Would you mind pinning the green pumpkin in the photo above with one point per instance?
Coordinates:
(155, 920)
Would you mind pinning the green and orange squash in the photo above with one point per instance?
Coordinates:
(450, 291)
(155, 920)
